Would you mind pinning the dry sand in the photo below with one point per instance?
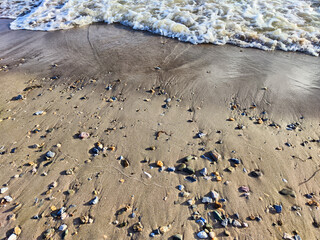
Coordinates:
(203, 82)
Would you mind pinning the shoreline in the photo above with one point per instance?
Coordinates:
(206, 84)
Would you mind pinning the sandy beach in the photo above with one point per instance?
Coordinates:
(88, 116)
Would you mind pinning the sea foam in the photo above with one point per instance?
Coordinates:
(289, 25)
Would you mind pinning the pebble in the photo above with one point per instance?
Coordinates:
(94, 201)
(236, 223)
(278, 208)
(204, 171)
(214, 195)
(202, 235)
(8, 199)
(215, 155)
(287, 191)
(50, 154)
(147, 174)
(63, 227)
(244, 189)
(39, 113)
(256, 173)
(13, 237)
(207, 200)
(17, 230)
(3, 190)
(190, 179)
(235, 160)
(177, 237)
(84, 135)
(180, 187)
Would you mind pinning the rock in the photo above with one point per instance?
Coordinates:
(124, 163)
(3, 190)
(69, 171)
(164, 229)
(13, 237)
(235, 161)
(287, 191)
(8, 199)
(206, 200)
(212, 235)
(62, 227)
(214, 195)
(159, 163)
(137, 227)
(53, 185)
(215, 155)
(202, 235)
(39, 113)
(181, 166)
(94, 201)
(224, 223)
(84, 135)
(245, 225)
(227, 233)
(278, 208)
(287, 236)
(17, 230)
(84, 219)
(180, 187)
(177, 237)
(48, 234)
(190, 202)
(244, 189)
(217, 216)
(204, 171)
(50, 154)
(256, 173)
(236, 223)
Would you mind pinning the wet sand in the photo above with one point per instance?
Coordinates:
(262, 92)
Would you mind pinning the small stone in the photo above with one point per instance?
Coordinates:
(212, 235)
(244, 189)
(17, 230)
(180, 187)
(124, 163)
(94, 201)
(256, 173)
(39, 113)
(245, 225)
(204, 171)
(224, 223)
(69, 171)
(164, 229)
(49, 233)
(181, 167)
(278, 208)
(226, 232)
(8, 199)
(84, 219)
(50, 154)
(63, 227)
(53, 185)
(159, 163)
(214, 195)
(217, 216)
(177, 237)
(84, 135)
(190, 202)
(13, 237)
(137, 227)
(202, 235)
(287, 191)
(215, 155)
(206, 200)
(236, 223)
(3, 190)
(235, 161)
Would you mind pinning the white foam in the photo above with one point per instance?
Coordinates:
(290, 25)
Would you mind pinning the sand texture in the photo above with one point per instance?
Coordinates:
(141, 101)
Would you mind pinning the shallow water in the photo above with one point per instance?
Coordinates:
(289, 25)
